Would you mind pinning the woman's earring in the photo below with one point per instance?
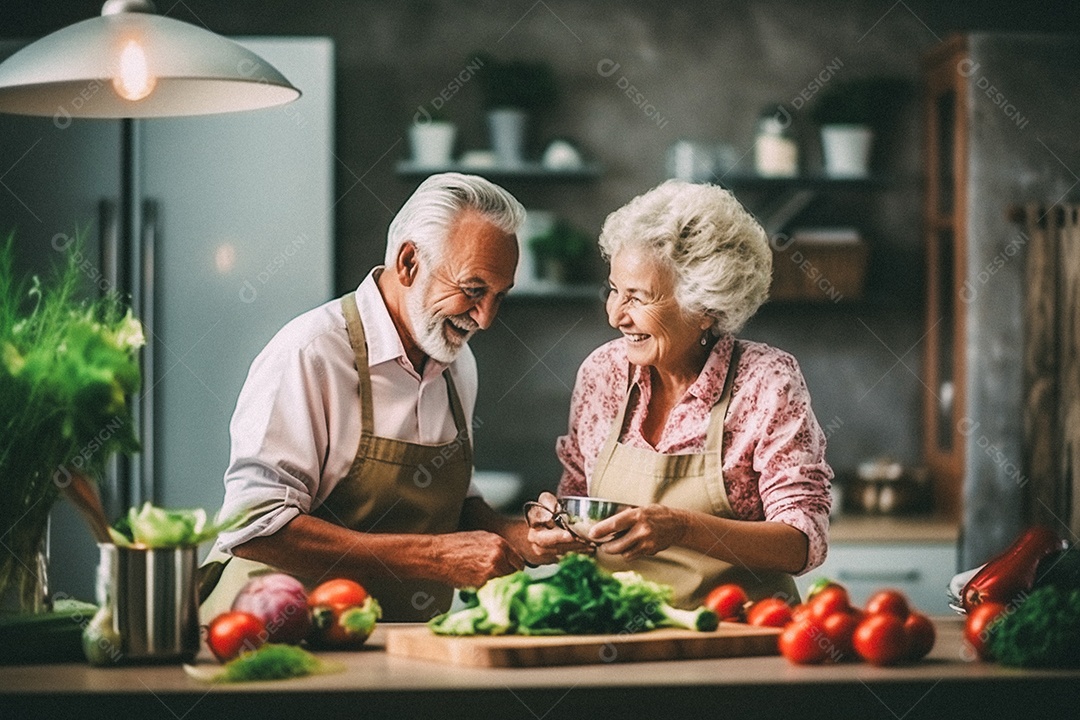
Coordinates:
(704, 338)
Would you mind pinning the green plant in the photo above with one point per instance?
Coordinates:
(859, 101)
(67, 366)
(529, 85)
(562, 242)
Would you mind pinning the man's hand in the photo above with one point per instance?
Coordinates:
(470, 558)
(546, 541)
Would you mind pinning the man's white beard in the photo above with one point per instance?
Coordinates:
(429, 330)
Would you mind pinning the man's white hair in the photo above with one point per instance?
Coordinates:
(718, 252)
(427, 215)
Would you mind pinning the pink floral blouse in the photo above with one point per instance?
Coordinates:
(774, 450)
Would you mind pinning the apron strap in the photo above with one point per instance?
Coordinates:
(359, 346)
(458, 412)
(608, 448)
(714, 437)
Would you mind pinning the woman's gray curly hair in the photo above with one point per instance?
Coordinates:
(719, 253)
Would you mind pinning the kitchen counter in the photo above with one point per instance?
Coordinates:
(945, 685)
(852, 528)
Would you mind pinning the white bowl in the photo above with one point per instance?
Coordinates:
(500, 489)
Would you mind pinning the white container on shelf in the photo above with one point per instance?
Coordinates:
(846, 150)
(432, 143)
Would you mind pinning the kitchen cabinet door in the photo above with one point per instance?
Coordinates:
(919, 570)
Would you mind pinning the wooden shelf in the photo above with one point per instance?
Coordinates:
(531, 171)
(810, 182)
(553, 291)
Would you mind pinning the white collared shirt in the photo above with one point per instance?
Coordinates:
(296, 426)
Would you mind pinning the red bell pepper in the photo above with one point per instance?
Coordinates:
(1013, 571)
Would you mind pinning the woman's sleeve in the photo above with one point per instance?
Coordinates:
(592, 407)
(568, 447)
(790, 458)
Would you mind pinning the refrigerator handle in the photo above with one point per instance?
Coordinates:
(148, 241)
(116, 483)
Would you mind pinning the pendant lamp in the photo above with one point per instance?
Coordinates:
(132, 63)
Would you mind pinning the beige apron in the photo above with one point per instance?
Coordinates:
(690, 482)
(392, 487)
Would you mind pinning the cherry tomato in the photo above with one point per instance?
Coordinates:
(343, 615)
(920, 636)
(829, 600)
(800, 611)
(803, 642)
(979, 625)
(728, 602)
(888, 602)
(234, 632)
(840, 629)
(770, 612)
(880, 639)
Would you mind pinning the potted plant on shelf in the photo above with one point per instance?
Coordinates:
(431, 137)
(67, 368)
(849, 112)
(561, 253)
(513, 90)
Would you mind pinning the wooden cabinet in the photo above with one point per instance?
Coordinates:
(945, 228)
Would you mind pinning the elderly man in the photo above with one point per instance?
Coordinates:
(351, 447)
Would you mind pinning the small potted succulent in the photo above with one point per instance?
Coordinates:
(849, 112)
(513, 90)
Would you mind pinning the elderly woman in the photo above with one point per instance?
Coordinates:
(711, 437)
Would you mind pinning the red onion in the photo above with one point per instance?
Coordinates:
(280, 602)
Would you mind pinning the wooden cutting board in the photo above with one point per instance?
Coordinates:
(729, 640)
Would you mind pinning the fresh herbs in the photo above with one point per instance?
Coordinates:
(272, 661)
(579, 598)
(1043, 631)
(67, 367)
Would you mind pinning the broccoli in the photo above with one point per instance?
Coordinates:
(580, 598)
(1043, 631)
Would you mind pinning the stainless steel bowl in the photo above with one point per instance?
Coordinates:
(580, 514)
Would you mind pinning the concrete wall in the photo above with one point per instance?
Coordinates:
(1024, 93)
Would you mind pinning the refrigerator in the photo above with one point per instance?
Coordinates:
(238, 210)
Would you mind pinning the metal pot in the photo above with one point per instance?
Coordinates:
(883, 487)
(151, 593)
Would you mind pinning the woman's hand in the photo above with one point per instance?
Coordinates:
(648, 530)
(548, 541)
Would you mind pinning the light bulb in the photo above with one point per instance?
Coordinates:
(134, 81)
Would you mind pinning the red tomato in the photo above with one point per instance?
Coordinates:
(803, 642)
(234, 632)
(888, 602)
(880, 639)
(920, 636)
(343, 615)
(770, 612)
(840, 629)
(728, 602)
(829, 600)
(979, 625)
(800, 611)
(338, 592)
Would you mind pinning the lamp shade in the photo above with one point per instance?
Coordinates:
(137, 65)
